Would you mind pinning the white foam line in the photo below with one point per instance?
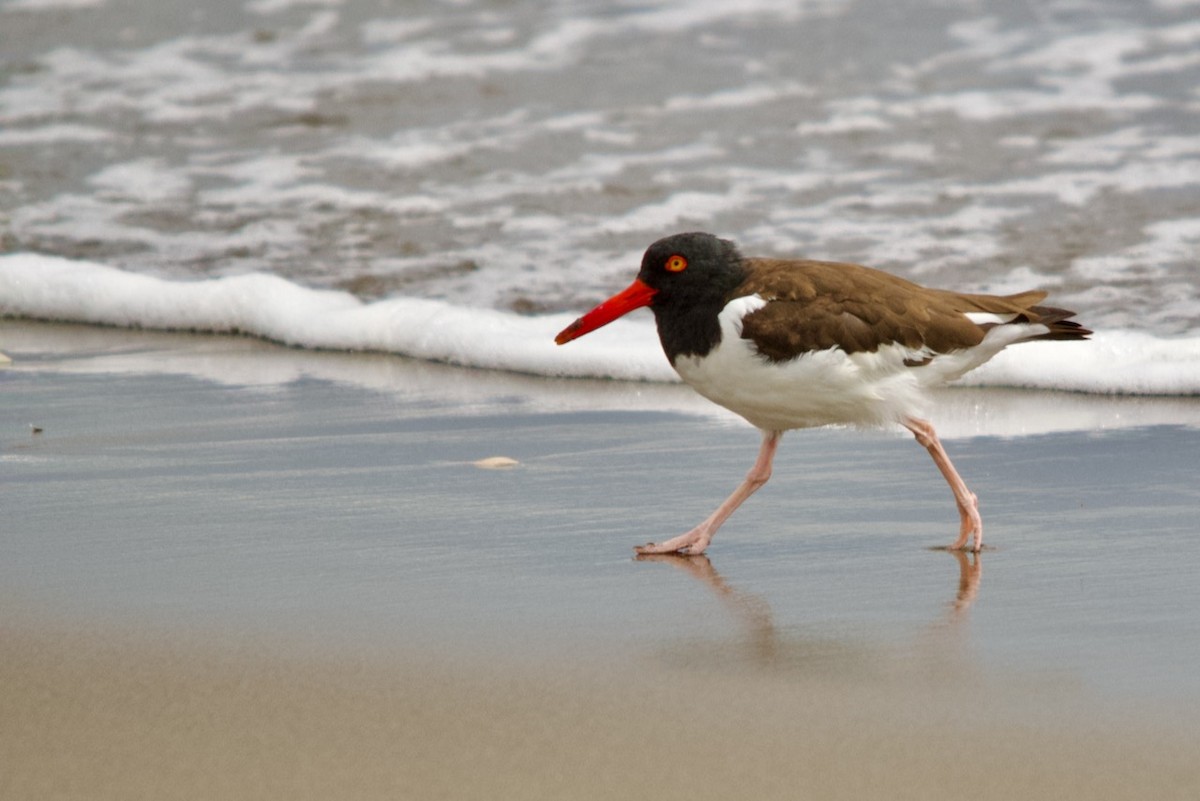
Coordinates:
(66, 132)
(244, 363)
(267, 306)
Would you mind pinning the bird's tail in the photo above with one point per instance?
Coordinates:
(1027, 311)
(1059, 322)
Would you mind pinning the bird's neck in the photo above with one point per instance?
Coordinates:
(691, 331)
(689, 324)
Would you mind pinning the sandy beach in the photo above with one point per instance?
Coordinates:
(235, 570)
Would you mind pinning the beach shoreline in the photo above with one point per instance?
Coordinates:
(238, 570)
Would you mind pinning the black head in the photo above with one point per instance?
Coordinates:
(686, 280)
(690, 269)
(693, 276)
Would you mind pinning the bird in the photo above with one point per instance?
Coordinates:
(790, 343)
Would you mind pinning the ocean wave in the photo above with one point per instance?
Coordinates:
(43, 287)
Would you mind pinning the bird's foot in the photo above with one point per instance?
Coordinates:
(691, 544)
(970, 528)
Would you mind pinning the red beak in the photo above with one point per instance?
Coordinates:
(632, 297)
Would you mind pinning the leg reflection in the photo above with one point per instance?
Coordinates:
(752, 611)
(757, 620)
(970, 569)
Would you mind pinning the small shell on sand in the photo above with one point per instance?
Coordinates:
(496, 463)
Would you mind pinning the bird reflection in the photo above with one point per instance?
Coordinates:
(767, 647)
(753, 612)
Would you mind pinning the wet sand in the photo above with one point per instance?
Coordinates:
(239, 571)
(93, 715)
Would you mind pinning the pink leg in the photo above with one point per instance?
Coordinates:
(971, 526)
(696, 540)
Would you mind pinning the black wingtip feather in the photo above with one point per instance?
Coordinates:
(1059, 323)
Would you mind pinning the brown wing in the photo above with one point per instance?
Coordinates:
(816, 305)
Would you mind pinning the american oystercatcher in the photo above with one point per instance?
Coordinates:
(794, 343)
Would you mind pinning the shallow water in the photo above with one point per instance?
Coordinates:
(520, 157)
(351, 515)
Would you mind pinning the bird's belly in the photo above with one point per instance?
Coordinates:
(818, 388)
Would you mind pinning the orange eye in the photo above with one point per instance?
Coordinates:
(676, 264)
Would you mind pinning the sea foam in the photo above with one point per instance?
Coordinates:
(273, 308)
(267, 306)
